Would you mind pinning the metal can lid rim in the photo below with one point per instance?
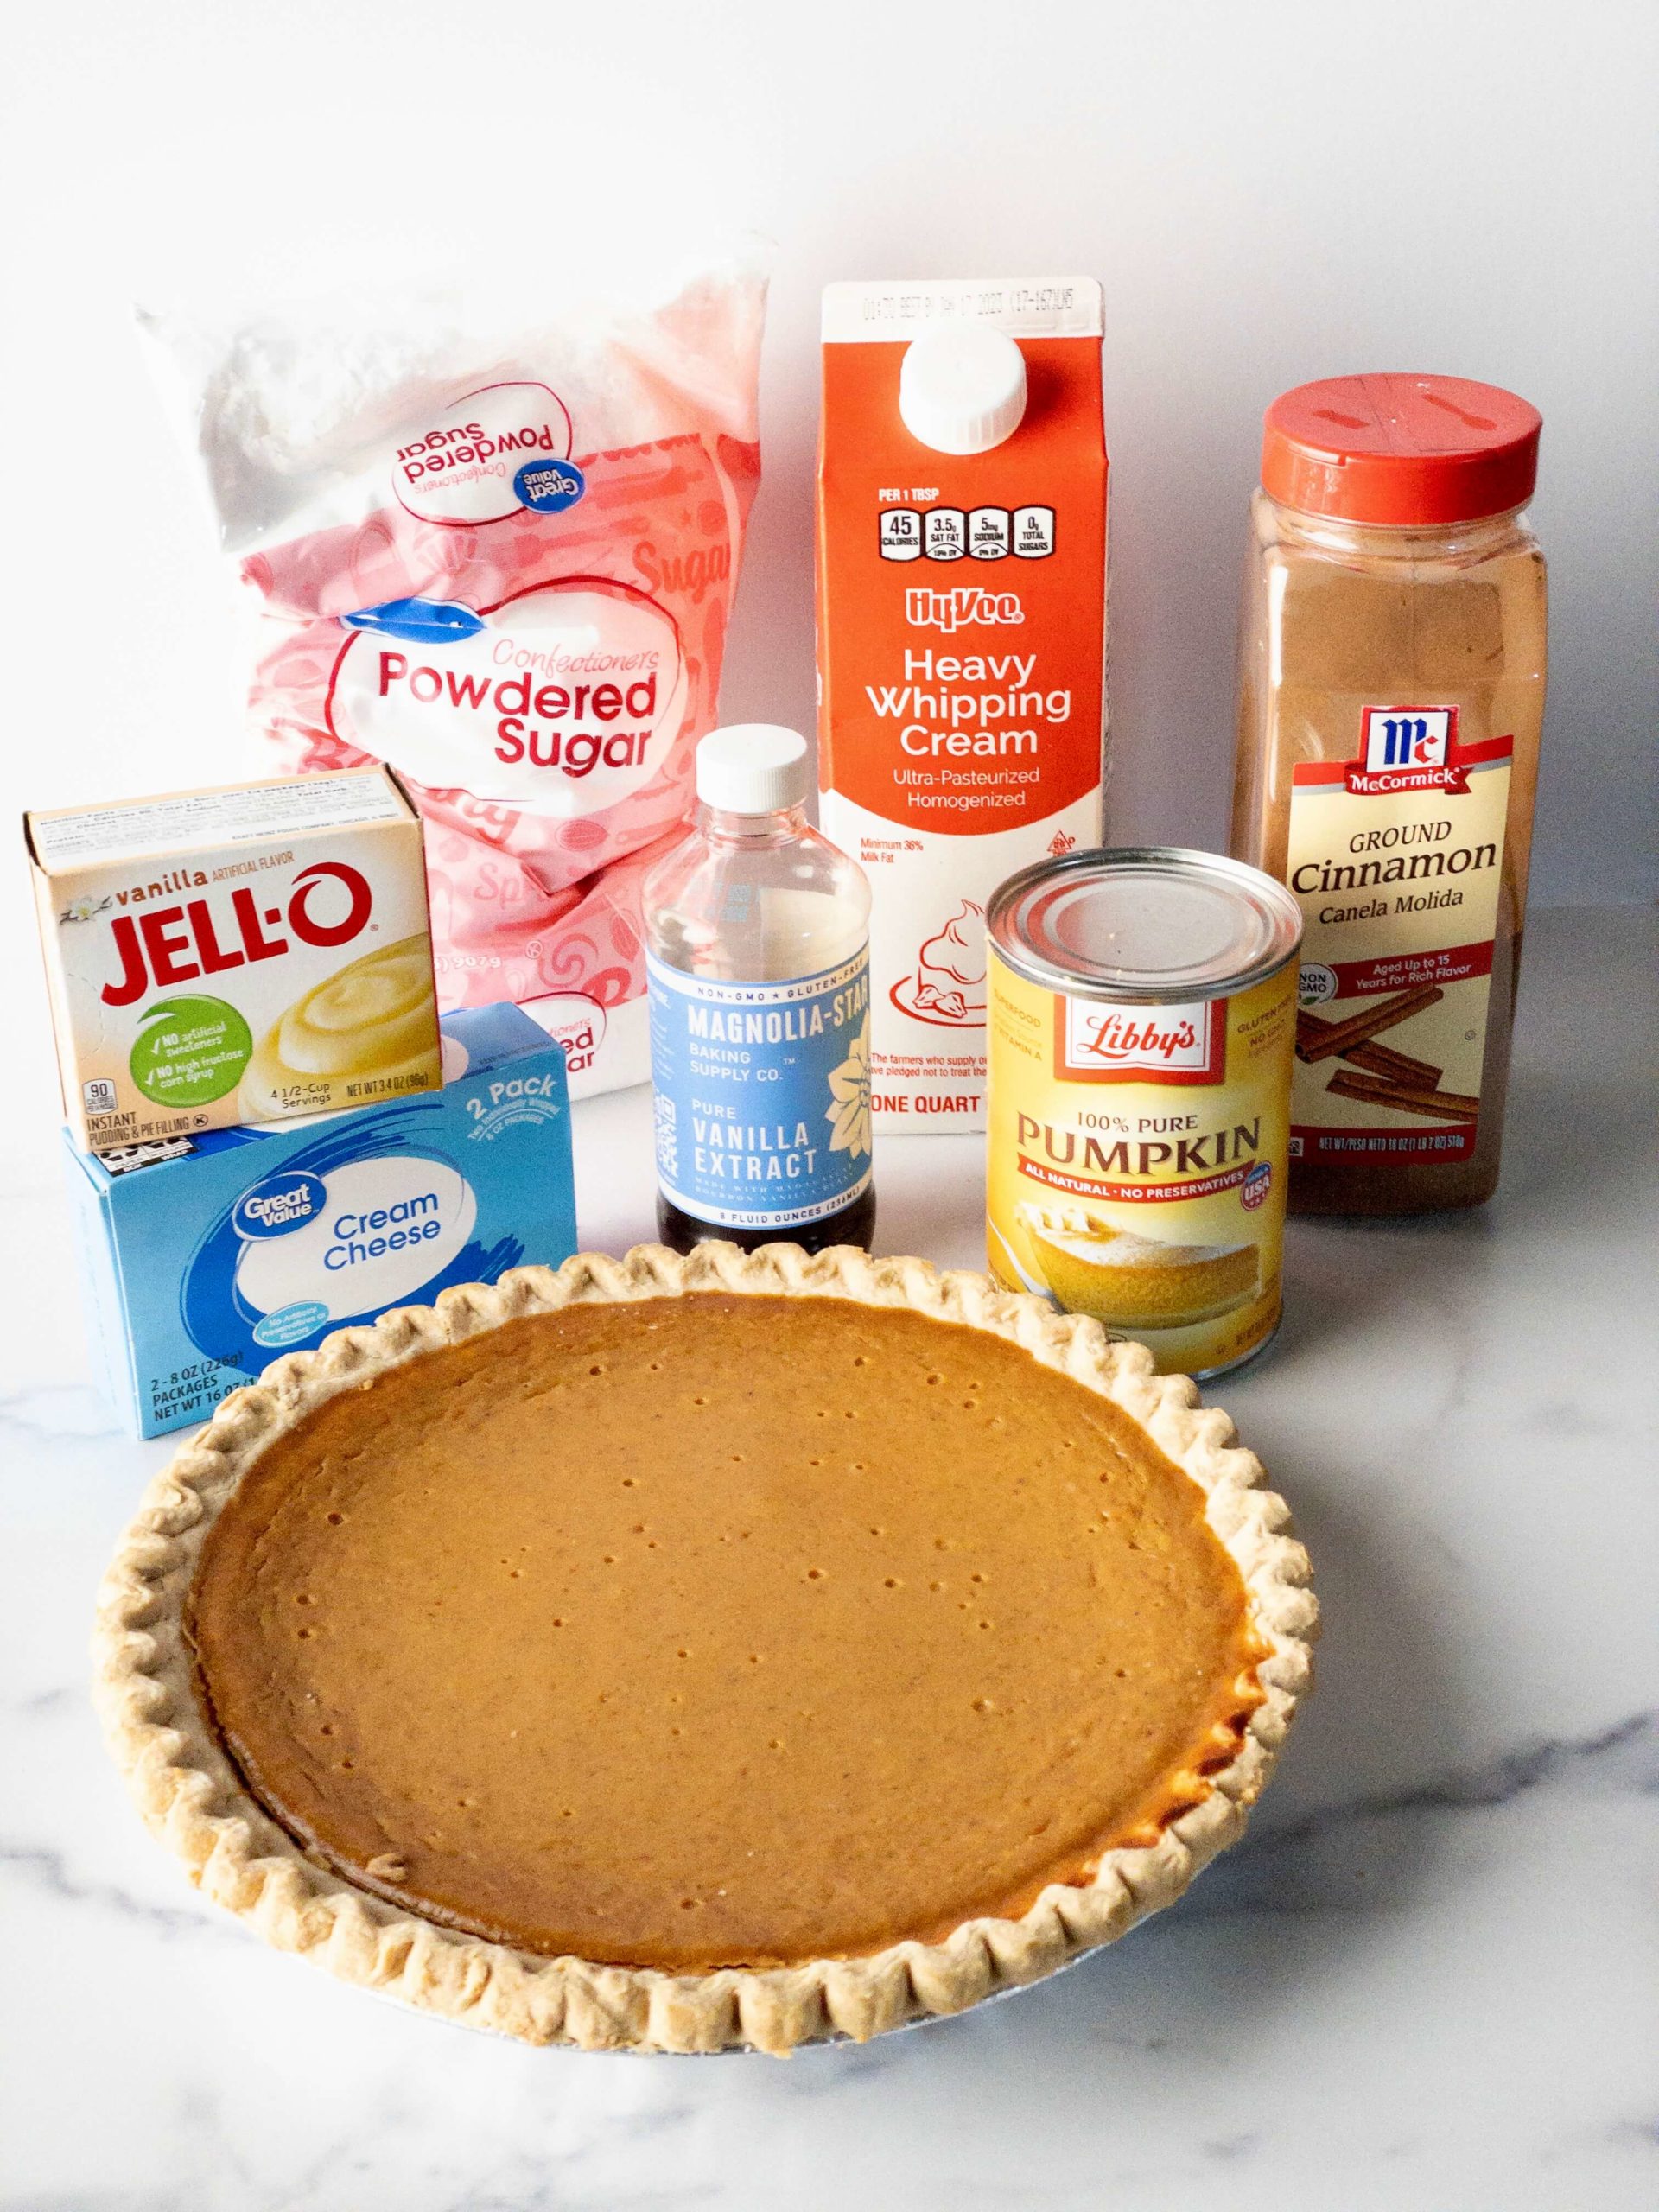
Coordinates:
(1256, 893)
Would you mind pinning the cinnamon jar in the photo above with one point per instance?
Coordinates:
(1391, 699)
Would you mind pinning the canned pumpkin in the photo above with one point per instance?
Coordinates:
(1141, 1025)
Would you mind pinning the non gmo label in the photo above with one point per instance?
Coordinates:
(763, 1094)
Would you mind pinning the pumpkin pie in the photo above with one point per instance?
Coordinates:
(1135, 1281)
(671, 1654)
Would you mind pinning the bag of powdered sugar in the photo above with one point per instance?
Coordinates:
(495, 547)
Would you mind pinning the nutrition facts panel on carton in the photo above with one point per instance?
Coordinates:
(974, 534)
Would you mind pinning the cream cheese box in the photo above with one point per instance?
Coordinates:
(204, 1257)
(236, 955)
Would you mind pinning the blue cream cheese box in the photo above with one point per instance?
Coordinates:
(206, 1257)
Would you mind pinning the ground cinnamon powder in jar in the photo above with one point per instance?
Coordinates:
(1391, 698)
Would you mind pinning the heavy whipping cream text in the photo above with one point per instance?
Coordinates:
(940, 711)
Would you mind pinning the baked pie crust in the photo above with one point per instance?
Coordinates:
(192, 1792)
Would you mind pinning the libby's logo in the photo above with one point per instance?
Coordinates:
(1161, 1043)
(956, 610)
(1407, 749)
(166, 945)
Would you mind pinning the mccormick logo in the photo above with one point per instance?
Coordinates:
(176, 944)
(1407, 749)
(1158, 1044)
(957, 610)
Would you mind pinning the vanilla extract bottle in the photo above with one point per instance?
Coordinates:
(757, 935)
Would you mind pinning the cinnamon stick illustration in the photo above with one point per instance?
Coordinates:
(1380, 1059)
(1359, 1027)
(1377, 1090)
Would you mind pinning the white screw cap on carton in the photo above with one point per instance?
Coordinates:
(751, 768)
(963, 389)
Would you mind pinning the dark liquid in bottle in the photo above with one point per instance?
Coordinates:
(854, 1223)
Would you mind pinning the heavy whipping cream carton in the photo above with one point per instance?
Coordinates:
(962, 623)
(235, 955)
(204, 1257)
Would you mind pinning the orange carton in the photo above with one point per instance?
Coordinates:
(962, 632)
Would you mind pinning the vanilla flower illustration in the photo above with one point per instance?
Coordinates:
(849, 1091)
(83, 909)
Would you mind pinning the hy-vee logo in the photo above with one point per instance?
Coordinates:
(957, 610)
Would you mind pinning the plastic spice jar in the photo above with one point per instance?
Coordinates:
(1391, 698)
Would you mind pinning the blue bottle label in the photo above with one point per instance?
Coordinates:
(763, 1094)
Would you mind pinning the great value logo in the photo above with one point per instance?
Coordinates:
(282, 1203)
(465, 468)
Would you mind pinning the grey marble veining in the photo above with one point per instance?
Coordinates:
(1427, 1978)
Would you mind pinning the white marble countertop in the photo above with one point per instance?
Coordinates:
(1429, 1978)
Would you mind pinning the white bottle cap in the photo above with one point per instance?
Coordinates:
(751, 768)
(963, 389)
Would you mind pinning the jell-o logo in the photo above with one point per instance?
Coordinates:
(175, 944)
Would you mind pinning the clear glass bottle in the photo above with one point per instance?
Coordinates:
(1390, 706)
(757, 935)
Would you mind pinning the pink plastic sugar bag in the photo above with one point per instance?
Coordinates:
(495, 545)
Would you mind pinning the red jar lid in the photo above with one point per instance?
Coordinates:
(1401, 449)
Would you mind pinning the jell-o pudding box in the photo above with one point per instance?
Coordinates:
(962, 639)
(235, 955)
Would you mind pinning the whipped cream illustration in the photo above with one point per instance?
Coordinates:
(947, 984)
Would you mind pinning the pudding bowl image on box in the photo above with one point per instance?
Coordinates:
(235, 956)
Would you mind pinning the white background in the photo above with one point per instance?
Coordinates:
(1270, 192)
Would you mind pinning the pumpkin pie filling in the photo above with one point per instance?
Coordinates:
(721, 1630)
